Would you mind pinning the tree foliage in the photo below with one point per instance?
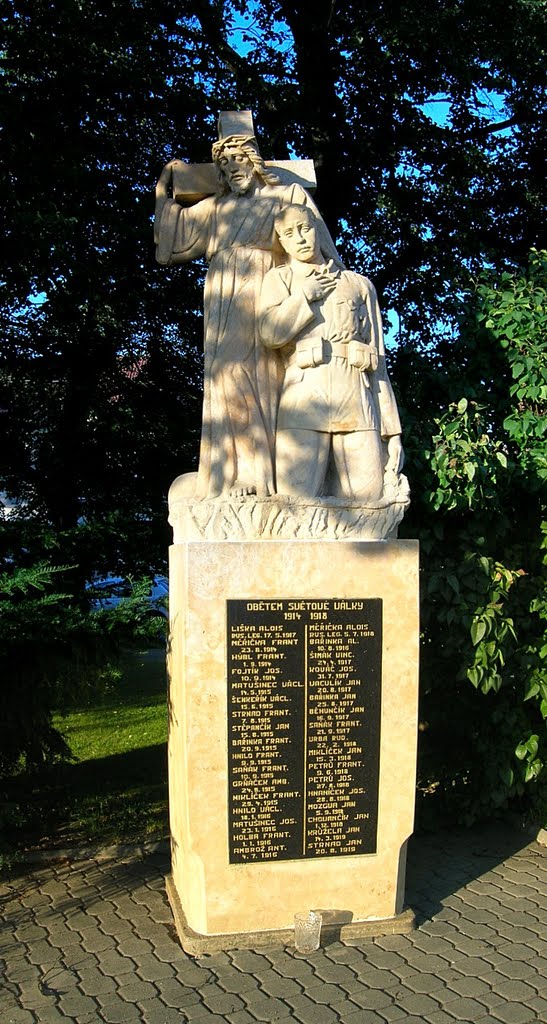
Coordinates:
(482, 516)
(101, 364)
(425, 121)
(52, 652)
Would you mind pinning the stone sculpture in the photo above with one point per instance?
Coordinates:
(295, 379)
(338, 428)
(234, 230)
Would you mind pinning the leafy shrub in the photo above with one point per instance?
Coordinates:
(482, 519)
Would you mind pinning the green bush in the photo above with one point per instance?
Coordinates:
(482, 519)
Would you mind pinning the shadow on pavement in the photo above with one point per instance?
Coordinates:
(443, 863)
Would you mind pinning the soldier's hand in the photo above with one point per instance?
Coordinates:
(318, 285)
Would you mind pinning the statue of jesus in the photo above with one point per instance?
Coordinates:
(234, 230)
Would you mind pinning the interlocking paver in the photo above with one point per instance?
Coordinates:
(21, 970)
(472, 966)
(490, 999)
(385, 958)
(370, 998)
(320, 991)
(516, 990)
(232, 980)
(174, 993)
(338, 974)
(222, 1002)
(221, 959)
(361, 994)
(495, 957)
(437, 927)
(77, 1005)
(59, 935)
(517, 969)
(240, 1017)
(192, 975)
(416, 1003)
(517, 950)
(42, 953)
(539, 945)
(539, 965)
(116, 926)
(470, 946)
(21, 1016)
(392, 1013)
(293, 967)
(201, 1014)
(149, 968)
(114, 1010)
(246, 960)
(372, 978)
(418, 961)
(466, 1009)
(439, 1017)
(341, 954)
(345, 1008)
(134, 990)
(538, 1006)
(154, 1012)
(133, 946)
(421, 982)
(113, 963)
(29, 932)
(512, 1013)
(469, 987)
(275, 985)
(397, 943)
(421, 941)
(92, 982)
(309, 1012)
(74, 957)
(51, 1015)
(363, 1017)
(92, 941)
(265, 1007)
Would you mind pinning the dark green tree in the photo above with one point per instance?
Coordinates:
(100, 370)
(481, 514)
(101, 365)
(425, 121)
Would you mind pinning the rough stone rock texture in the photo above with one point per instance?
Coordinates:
(281, 518)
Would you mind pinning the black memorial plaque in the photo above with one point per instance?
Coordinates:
(304, 701)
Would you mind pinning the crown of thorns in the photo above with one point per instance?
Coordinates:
(234, 141)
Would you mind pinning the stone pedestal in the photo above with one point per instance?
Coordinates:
(292, 748)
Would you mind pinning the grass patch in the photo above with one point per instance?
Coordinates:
(115, 789)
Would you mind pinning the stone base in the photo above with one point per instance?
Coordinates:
(282, 518)
(221, 896)
(352, 934)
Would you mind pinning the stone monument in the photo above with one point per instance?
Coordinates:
(293, 607)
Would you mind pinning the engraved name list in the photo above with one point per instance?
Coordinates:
(304, 689)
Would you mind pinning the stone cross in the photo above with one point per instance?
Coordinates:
(192, 182)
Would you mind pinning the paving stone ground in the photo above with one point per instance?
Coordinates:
(93, 941)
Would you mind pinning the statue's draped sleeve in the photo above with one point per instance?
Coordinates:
(282, 314)
(182, 234)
